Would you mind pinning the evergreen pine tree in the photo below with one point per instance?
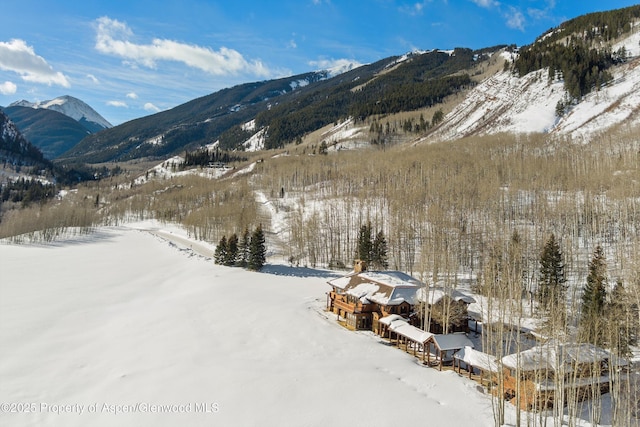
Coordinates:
(220, 254)
(379, 258)
(243, 248)
(622, 316)
(365, 245)
(593, 300)
(232, 250)
(551, 282)
(257, 250)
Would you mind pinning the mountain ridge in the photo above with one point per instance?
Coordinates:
(52, 132)
(531, 94)
(71, 107)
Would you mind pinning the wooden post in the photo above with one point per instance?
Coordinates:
(441, 363)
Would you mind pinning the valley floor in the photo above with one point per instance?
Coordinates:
(125, 327)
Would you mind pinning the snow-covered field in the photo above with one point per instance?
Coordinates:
(103, 330)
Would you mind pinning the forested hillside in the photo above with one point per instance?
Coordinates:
(187, 126)
(13, 145)
(421, 81)
(289, 107)
(579, 50)
(52, 132)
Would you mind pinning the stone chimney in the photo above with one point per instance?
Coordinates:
(359, 266)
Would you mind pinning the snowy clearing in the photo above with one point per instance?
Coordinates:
(124, 320)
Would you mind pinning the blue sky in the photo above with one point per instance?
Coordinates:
(132, 58)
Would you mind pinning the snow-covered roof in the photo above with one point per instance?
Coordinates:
(388, 320)
(381, 287)
(435, 294)
(411, 332)
(478, 359)
(452, 341)
(551, 356)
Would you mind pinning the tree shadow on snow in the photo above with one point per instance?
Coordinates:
(285, 270)
(65, 238)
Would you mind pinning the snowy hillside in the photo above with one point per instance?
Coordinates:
(506, 103)
(69, 106)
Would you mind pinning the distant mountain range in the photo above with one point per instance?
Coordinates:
(196, 123)
(306, 101)
(57, 125)
(577, 79)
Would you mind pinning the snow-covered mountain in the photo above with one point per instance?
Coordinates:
(71, 107)
(504, 102)
(342, 67)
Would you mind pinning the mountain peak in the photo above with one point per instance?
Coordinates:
(340, 67)
(69, 106)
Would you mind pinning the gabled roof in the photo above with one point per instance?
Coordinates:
(413, 333)
(456, 341)
(391, 319)
(478, 359)
(381, 287)
(433, 295)
(401, 327)
(551, 356)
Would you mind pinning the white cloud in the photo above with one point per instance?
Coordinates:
(8, 88)
(93, 78)
(515, 19)
(486, 3)
(540, 14)
(150, 107)
(118, 104)
(415, 9)
(292, 44)
(113, 38)
(132, 95)
(20, 58)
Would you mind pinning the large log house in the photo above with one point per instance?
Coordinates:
(363, 297)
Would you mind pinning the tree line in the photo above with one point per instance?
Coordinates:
(247, 252)
(27, 191)
(205, 157)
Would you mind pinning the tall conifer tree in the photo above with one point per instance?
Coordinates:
(232, 250)
(220, 254)
(622, 316)
(551, 282)
(380, 252)
(258, 250)
(365, 244)
(593, 300)
(244, 248)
